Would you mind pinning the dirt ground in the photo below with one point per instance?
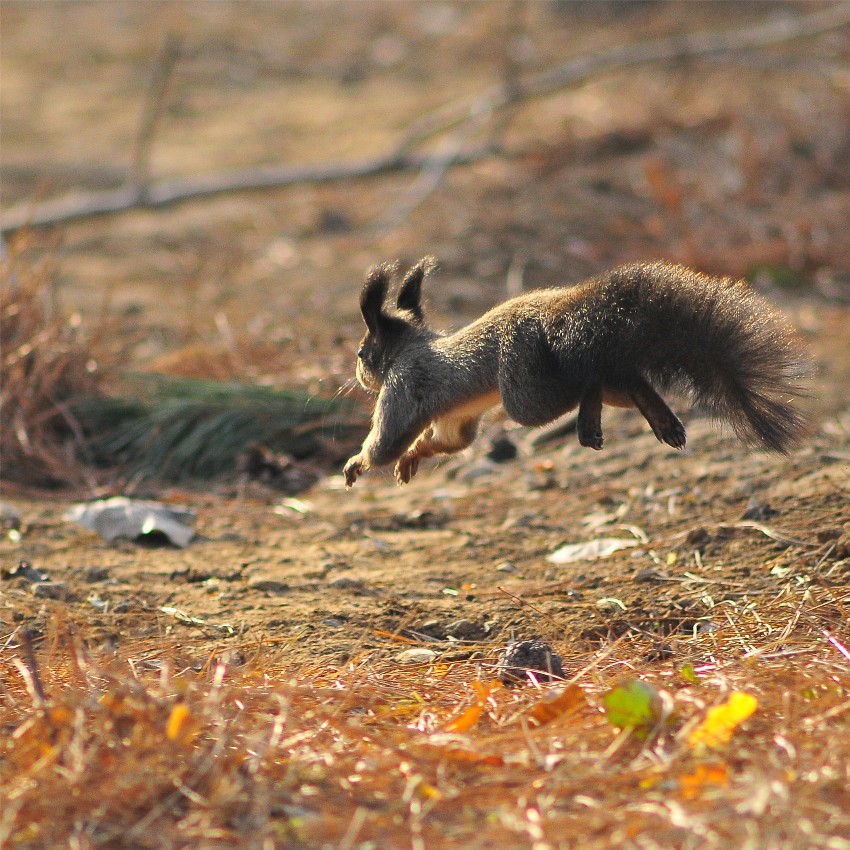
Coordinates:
(264, 286)
(737, 167)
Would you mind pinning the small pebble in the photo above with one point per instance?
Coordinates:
(10, 518)
(473, 473)
(51, 590)
(417, 655)
(506, 567)
(464, 630)
(269, 585)
(502, 450)
(529, 656)
(345, 583)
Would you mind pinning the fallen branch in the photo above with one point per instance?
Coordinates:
(88, 204)
(166, 192)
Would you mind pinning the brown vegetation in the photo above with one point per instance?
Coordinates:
(257, 689)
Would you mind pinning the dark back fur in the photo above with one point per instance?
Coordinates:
(711, 336)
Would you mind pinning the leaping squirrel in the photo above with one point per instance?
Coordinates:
(615, 339)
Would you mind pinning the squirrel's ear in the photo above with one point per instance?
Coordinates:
(410, 293)
(374, 293)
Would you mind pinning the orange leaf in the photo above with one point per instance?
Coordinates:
(460, 754)
(179, 726)
(704, 776)
(568, 700)
(482, 691)
(466, 720)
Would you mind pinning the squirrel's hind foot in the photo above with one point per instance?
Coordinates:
(670, 431)
(591, 439)
(406, 467)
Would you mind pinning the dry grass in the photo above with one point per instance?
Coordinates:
(61, 426)
(170, 743)
(47, 361)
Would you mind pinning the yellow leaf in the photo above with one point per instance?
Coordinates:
(722, 720)
(429, 791)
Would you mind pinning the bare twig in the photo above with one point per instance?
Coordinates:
(32, 667)
(89, 204)
(152, 112)
(432, 173)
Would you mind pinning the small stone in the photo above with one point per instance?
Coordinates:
(346, 583)
(535, 657)
(10, 518)
(660, 652)
(430, 628)
(417, 655)
(502, 450)
(506, 567)
(521, 521)
(52, 590)
(465, 630)
(757, 511)
(476, 471)
(95, 574)
(268, 585)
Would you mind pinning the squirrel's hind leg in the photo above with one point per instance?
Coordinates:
(589, 423)
(444, 436)
(664, 423)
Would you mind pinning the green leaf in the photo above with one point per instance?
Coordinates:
(689, 674)
(633, 704)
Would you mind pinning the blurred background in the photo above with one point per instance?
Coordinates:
(735, 163)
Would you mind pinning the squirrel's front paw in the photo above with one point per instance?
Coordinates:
(406, 467)
(352, 470)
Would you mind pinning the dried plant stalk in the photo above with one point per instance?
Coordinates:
(47, 360)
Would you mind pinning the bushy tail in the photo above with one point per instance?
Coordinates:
(722, 342)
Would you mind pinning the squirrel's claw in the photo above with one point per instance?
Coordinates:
(591, 440)
(352, 470)
(669, 430)
(406, 467)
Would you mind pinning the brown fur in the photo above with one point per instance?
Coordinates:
(616, 339)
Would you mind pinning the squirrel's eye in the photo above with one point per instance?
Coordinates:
(361, 352)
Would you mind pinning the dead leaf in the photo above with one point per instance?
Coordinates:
(466, 720)
(601, 547)
(555, 705)
(722, 720)
(705, 776)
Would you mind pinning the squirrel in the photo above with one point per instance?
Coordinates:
(615, 339)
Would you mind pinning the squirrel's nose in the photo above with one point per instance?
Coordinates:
(360, 352)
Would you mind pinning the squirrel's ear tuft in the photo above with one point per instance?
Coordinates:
(374, 293)
(410, 293)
